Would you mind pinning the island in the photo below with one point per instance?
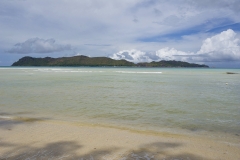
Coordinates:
(98, 62)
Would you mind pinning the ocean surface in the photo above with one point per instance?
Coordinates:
(154, 99)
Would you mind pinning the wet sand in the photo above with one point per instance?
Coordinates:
(37, 139)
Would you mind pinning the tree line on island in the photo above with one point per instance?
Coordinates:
(98, 62)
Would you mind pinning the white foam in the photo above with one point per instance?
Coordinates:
(66, 71)
(5, 117)
(74, 71)
(56, 69)
(71, 71)
(139, 72)
(14, 68)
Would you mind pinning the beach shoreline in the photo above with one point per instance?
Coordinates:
(96, 113)
(48, 139)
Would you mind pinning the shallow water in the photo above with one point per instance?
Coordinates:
(159, 99)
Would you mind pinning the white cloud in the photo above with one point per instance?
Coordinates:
(132, 55)
(172, 54)
(37, 45)
(166, 53)
(221, 47)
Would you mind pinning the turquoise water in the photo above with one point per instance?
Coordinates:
(158, 99)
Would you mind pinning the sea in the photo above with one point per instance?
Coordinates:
(189, 100)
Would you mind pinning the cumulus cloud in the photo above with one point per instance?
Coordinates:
(221, 47)
(173, 54)
(132, 55)
(37, 45)
(166, 53)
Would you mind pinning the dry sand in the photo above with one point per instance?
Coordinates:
(33, 139)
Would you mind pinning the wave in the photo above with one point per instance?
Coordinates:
(66, 71)
(138, 72)
(5, 117)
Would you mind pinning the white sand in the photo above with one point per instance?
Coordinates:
(60, 140)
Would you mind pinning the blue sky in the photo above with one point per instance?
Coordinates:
(136, 30)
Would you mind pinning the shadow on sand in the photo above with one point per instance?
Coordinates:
(65, 150)
(9, 121)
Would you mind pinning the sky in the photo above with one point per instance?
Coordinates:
(195, 31)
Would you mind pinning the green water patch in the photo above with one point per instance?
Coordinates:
(175, 111)
(29, 119)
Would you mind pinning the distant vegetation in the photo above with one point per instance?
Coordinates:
(164, 63)
(96, 62)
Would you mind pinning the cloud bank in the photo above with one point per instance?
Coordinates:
(37, 45)
(221, 47)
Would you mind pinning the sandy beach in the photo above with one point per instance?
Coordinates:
(37, 139)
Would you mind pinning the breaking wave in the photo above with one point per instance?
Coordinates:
(139, 72)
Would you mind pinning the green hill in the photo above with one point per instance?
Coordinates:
(170, 64)
(71, 61)
(96, 62)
